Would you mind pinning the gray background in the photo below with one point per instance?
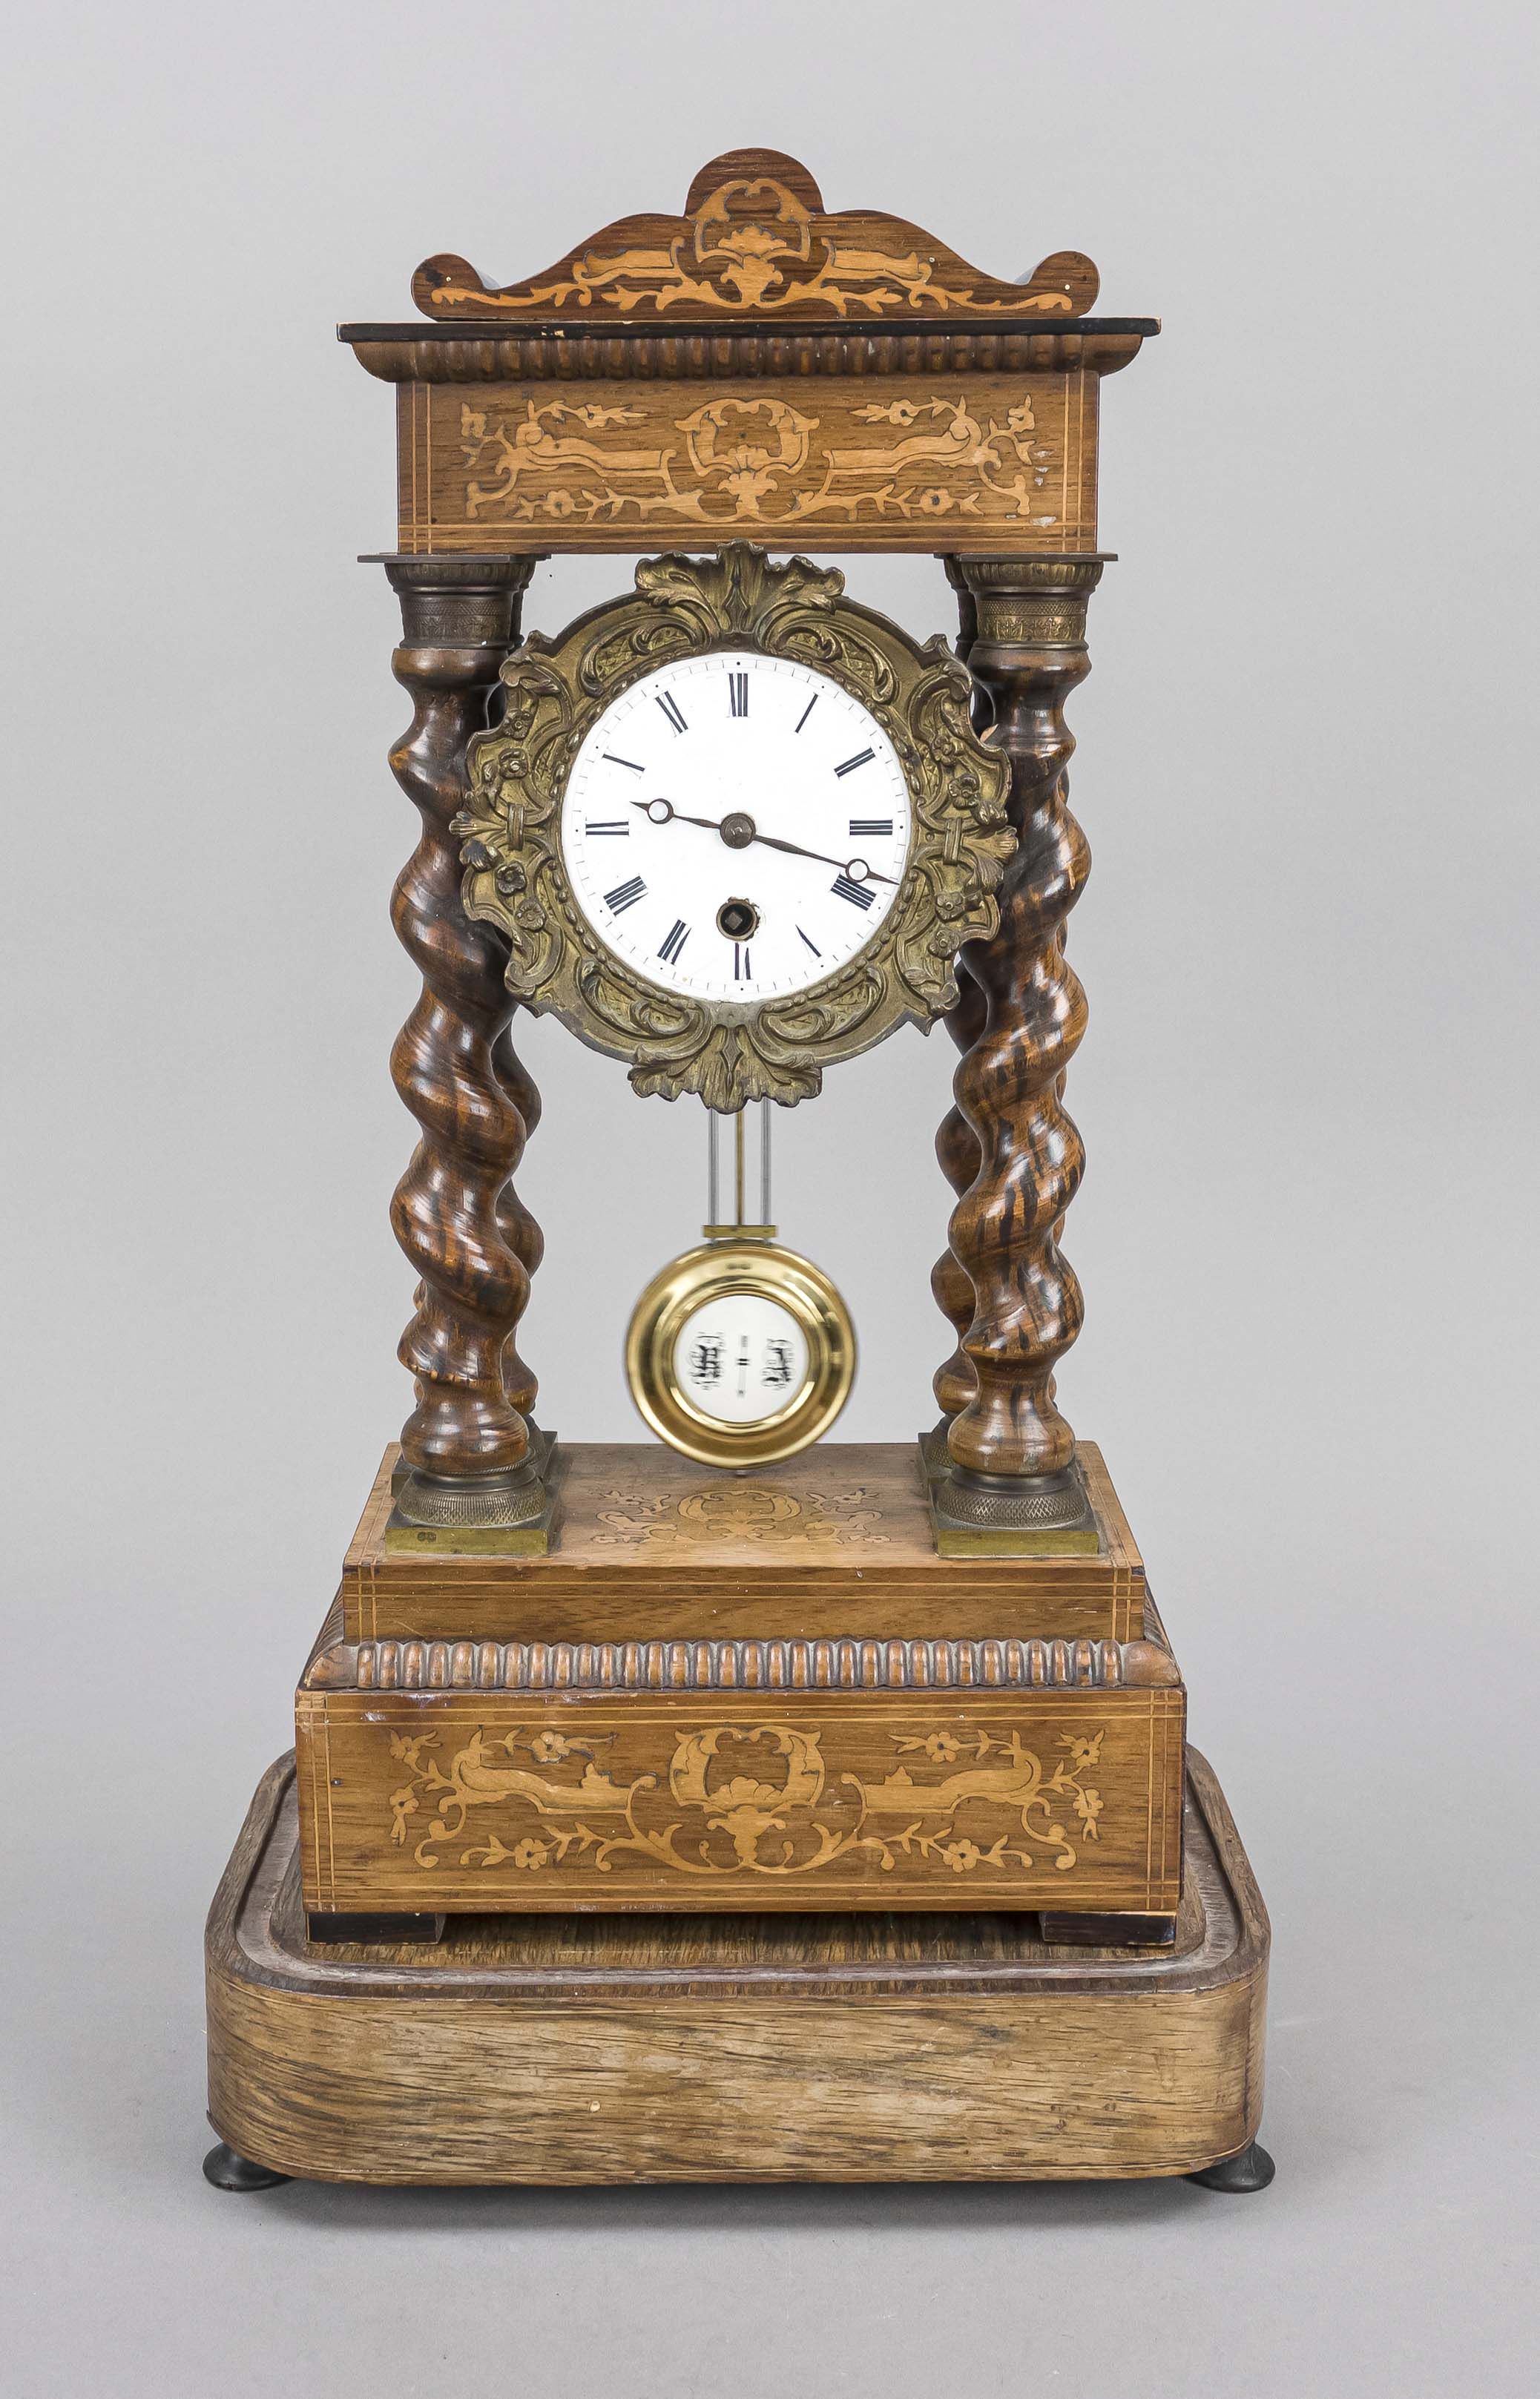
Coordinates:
(1308, 1095)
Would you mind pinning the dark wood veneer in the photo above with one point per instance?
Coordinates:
(454, 1213)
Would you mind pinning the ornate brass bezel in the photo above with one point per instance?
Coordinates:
(727, 1051)
(686, 1283)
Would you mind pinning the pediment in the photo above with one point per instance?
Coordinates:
(755, 245)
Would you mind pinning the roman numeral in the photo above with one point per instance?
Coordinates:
(624, 895)
(807, 712)
(859, 894)
(862, 758)
(871, 824)
(675, 940)
(738, 694)
(811, 942)
(623, 762)
(740, 962)
(672, 711)
(619, 826)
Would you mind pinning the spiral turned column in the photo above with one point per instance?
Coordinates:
(1012, 1453)
(466, 1442)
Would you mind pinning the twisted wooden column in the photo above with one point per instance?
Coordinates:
(466, 1442)
(1012, 1454)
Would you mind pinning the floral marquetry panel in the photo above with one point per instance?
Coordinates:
(760, 368)
(755, 241)
(956, 462)
(451, 1800)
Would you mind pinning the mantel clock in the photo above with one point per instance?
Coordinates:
(846, 1781)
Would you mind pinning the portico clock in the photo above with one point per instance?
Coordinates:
(735, 827)
(731, 828)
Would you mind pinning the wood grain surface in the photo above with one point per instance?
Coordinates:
(754, 367)
(647, 1545)
(753, 2048)
(1029, 653)
(472, 1244)
(584, 352)
(422, 1800)
(755, 241)
(991, 462)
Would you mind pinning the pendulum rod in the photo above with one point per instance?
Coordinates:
(716, 1228)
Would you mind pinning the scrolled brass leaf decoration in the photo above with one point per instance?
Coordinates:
(516, 877)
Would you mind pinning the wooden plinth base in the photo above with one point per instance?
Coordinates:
(720, 1693)
(778, 2047)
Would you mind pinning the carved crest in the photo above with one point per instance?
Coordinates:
(754, 242)
(729, 1052)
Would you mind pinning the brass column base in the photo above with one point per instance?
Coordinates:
(1021, 1517)
(512, 1517)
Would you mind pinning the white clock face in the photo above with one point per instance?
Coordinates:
(736, 826)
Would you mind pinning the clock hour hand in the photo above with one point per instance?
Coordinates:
(664, 812)
(738, 830)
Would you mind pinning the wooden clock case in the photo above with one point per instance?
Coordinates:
(845, 1809)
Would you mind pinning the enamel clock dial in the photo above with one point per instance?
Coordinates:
(736, 826)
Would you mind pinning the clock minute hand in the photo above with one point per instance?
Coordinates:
(795, 849)
(752, 833)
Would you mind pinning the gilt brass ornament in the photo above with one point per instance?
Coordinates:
(729, 1051)
(740, 1352)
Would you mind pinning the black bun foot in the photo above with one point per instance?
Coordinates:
(227, 2171)
(1249, 2169)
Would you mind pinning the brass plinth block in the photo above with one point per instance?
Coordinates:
(1021, 1517)
(510, 1517)
(934, 1457)
(531, 1540)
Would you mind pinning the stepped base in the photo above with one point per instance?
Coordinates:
(773, 2048)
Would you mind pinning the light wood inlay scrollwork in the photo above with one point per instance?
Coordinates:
(755, 241)
(782, 1812)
